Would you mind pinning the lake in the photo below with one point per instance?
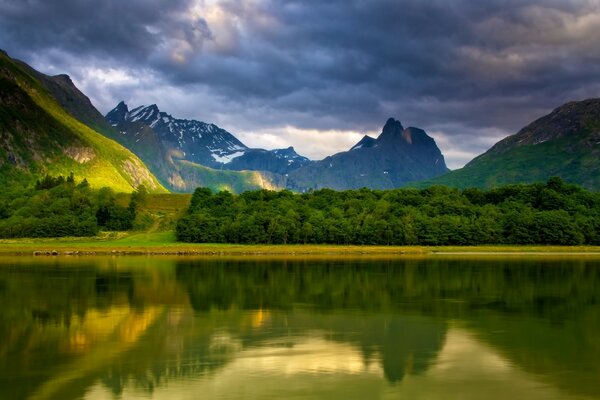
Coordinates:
(429, 327)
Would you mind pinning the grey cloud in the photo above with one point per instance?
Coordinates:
(462, 67)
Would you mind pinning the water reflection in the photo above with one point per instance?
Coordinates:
(259, 328)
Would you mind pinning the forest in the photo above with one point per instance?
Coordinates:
(554, 213)
(60, 206)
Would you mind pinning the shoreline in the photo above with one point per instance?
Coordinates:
(53, 247)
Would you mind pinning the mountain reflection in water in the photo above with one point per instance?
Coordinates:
(306, 328)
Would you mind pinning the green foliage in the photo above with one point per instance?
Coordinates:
(48, 182)
(553, 213)
(571, 158)
(59, 206)
(55, 207)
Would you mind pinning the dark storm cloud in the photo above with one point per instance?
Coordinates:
(461, 68)
(127, 31)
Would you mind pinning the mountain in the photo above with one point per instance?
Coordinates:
(279, 161)
(200, 142)
(564, 143)
(39, 136)
(395, 158)
(175, 149)
(366, 142)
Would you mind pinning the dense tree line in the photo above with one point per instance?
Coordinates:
(59, 206)
(550, 213)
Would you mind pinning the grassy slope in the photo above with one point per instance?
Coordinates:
(527, 164)
(106, 169)
(160, 212)
(233, 181)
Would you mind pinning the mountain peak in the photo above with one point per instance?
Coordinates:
(366, 142)
(391, 132)
(392, 125)
(117, 114)
(122, 106)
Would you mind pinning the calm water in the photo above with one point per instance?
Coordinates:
(256, 328)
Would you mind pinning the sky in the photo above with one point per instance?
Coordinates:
(318, 75)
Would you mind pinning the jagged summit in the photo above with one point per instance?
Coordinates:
(393, 133)
(396, 157)
(117, 114)
(392, 129)
(391, 125)
(199, 142)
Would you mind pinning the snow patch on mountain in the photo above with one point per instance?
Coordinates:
(227, 158)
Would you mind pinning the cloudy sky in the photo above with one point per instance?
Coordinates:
(319, 74)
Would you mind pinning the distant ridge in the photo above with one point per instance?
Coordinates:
(564, 143)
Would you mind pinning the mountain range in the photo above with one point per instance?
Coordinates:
(397, 156)
(48, 126)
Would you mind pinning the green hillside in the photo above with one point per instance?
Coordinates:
(564, 143)
(39, 137)
(196, 175)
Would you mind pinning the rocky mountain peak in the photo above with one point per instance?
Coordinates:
(392, 130)
(392, 125)
(122, 106)
(364, 143)
(117, 114)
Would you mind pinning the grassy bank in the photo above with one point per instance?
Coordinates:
(164, 243)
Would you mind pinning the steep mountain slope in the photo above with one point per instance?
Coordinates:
(564, 143)
(199, 142)
(170, 155)
(396, 157)
(38, 136)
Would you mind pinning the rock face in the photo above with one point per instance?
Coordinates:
(564, 143)
(396, 157)
(199, 142)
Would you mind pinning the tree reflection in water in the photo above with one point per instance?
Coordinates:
(143, 322)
